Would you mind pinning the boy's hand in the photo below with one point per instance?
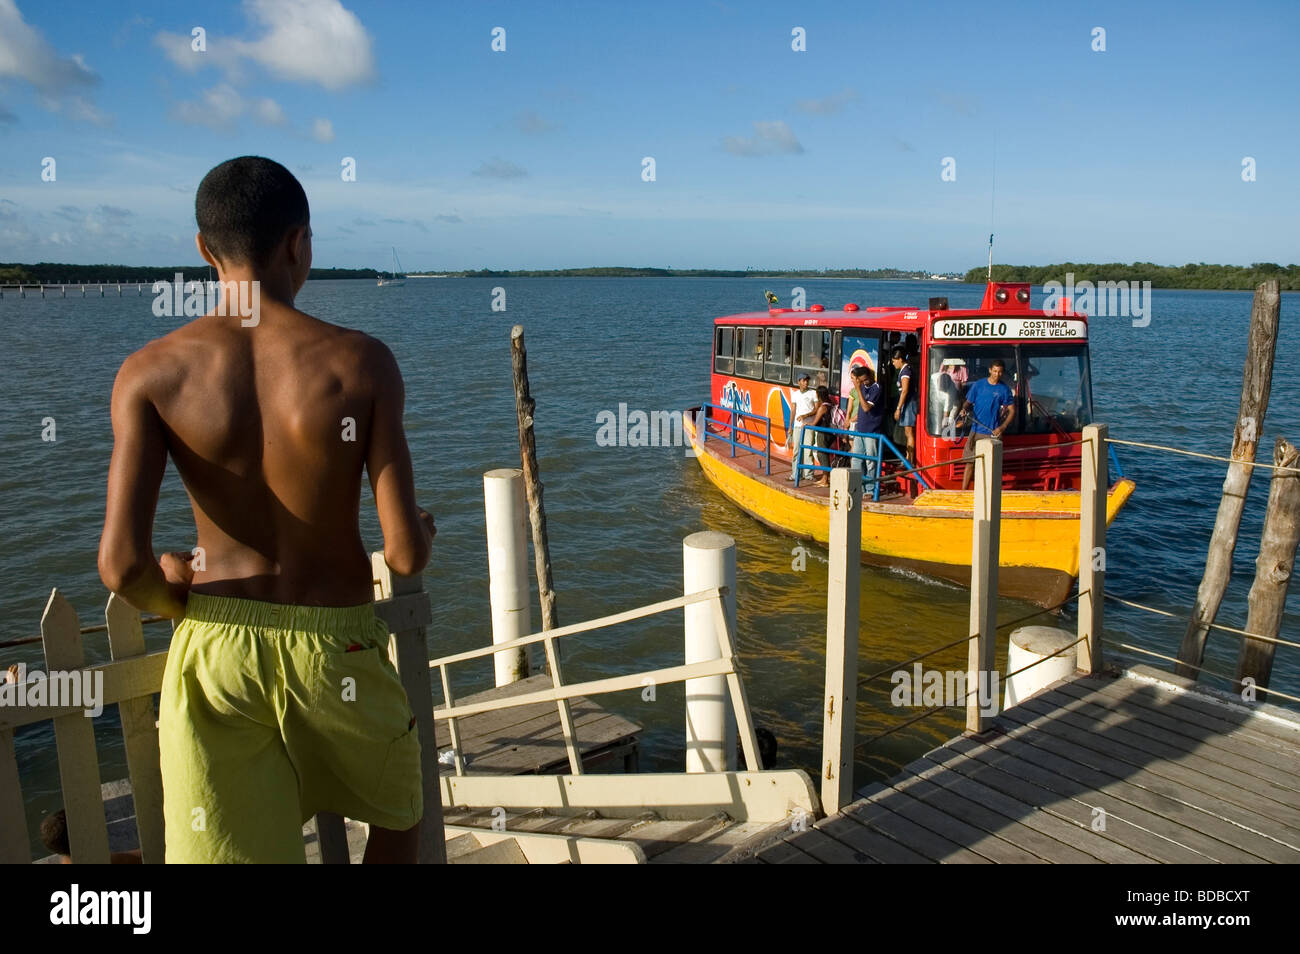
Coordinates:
(177, 569)
(426, 521)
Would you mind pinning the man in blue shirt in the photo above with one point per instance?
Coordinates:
(866, 415)
(986, 402)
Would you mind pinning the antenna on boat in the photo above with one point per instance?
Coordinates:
(993, 192)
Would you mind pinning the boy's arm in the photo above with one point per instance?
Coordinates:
(408, 530)
(126, 560)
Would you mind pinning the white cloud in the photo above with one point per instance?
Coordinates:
(306, 41)
(500, 169)
(770, 138)
(828, 105)
(322, 130)
(218, 108)
(268, 112)
(61, 81)
(532, 124)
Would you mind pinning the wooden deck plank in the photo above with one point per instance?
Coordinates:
(826, 849)
(880, 848)
(1232, 749)
(963, 802)
(1195, 770)
(878, 816)
(1042, 806)
(1244, 715)
(1198, 714)
(1210, 836)
(595, 739)
(1206, 803)
(956, 830)
(784, 853)
(1074, 801)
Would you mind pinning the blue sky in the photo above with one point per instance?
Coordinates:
(764, 156)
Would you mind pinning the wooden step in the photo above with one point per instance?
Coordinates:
(498, 853)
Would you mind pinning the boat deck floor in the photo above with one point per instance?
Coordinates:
(755, 465)
(1140, 768)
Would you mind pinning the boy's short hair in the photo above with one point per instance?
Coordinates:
(54, 832)
(998, 363)
(898, 352)
(245, 206)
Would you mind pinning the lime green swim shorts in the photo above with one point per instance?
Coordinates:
(271, 713)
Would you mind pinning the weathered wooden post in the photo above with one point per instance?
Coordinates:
(1256, 383)
(985, 533)
(840, 705)
(139, 732)
(708, 560)
(524, 408)
(74, 739)
(1277, 548)
(507, 543)
(1093, 485)
(404, 607)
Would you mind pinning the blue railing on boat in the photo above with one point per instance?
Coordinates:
(735, 429)
(1117, 472)
(883, 443)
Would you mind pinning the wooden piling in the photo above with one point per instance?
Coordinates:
(524, 407)
(1257, 381)
(1093, 484)
(840, 705)
(1277, 549)
(981, 657)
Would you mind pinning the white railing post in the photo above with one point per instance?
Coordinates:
(840, 706)
(985, 532)
(1092, 544)
(507, 542)
(708, 560)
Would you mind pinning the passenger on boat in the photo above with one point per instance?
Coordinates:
(949, 390)
(867, 416)
(805, 406)
(822, 417)
(986, 401)
(905, 408)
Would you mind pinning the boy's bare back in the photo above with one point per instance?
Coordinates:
(269, 427)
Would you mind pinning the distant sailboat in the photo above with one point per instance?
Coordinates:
(398, 278)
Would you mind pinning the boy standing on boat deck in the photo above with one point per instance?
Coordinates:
(278, 699)
(805, 407)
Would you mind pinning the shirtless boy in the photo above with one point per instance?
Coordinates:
(278, 700)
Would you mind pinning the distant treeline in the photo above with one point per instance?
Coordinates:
(647, 272)
(1160, 276)
(51, 273)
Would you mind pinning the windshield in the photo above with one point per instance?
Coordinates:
(1050, 383)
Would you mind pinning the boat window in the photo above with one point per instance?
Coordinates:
(749, 352)
(812, 356)
(953, 368)
(724, 350)
(777, 366)
(1057, 395)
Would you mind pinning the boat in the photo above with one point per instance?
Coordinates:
(398, 278)
(915, 517)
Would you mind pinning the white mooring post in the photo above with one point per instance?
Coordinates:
(840, 707)
(708, 560)
(507, 542)
(1092, 544)
(982, 652)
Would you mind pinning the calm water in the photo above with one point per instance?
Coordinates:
(617, 515)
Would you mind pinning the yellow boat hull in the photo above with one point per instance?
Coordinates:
(931, 534)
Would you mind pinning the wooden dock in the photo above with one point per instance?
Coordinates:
(1140, 768)
(529, 739)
